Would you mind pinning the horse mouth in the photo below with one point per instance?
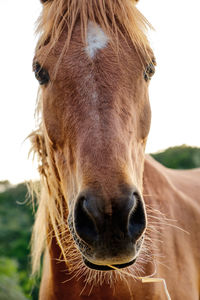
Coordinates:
(107, 268)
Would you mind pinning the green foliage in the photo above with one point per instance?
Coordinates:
(15, 232)
(9, 280)
(180, 157)
(15, 223)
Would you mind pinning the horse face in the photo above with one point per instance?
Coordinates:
(96, 117)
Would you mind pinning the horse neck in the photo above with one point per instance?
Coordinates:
(59, 283)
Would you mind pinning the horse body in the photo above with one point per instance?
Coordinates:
(175, 253)
(106, 213)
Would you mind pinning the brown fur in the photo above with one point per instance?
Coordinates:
(81, 142)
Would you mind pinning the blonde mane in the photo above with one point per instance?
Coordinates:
(116, 18)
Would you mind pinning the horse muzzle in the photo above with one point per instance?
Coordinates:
(108, 237)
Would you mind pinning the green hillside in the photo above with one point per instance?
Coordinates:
(180, 157)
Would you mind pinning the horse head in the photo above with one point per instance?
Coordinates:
(94, 64)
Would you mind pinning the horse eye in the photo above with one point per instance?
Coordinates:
(150, 70)
(41, 74)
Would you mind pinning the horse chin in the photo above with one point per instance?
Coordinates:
(106, 267)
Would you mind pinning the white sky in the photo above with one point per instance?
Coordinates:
(174, 91)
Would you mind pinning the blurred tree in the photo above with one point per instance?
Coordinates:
(15, 232)
(180, 157)
(15, 223)
(9, 280)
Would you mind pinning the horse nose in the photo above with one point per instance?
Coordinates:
(127, 219)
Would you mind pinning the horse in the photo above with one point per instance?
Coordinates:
(111, 223)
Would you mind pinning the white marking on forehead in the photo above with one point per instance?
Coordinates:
(96, 39)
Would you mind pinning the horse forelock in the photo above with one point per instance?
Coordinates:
(116, 18)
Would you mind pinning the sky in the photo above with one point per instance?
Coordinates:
(174, 90)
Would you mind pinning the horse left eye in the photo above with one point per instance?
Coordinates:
(41, 74)
(150, 70)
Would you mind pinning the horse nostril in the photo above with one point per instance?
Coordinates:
(95, 227)
(137, 218)
(84, 224)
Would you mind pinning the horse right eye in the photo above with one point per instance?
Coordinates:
(41, 74)
(150, 70)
